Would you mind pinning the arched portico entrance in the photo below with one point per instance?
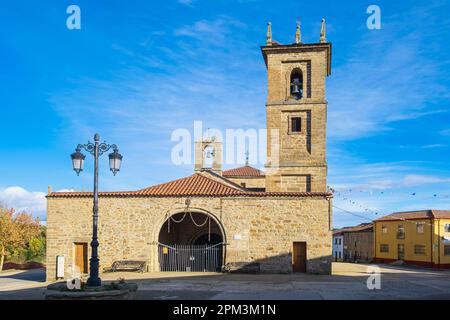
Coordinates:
(191, 241)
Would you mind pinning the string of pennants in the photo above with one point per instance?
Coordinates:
(345, 197)
(368, 219)
(374, 192)
(356, 204)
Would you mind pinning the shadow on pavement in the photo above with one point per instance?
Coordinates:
(348, 282)
(37, 275)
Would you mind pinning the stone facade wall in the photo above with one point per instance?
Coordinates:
(358, 246)
(256, 229)
(296, 153)
(297, 179)
(258, 182)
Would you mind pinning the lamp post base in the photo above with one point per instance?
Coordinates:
(94, 282)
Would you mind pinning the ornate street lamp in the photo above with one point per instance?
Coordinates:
(77, 161)
(115, 160)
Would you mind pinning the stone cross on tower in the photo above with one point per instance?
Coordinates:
(323, 38)
(269, 35)
(298, 35)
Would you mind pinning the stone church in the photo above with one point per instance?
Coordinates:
(277, 220)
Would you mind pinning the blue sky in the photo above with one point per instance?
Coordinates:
(137, 70)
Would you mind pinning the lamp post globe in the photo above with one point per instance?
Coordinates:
(115, 161)
(77, 161)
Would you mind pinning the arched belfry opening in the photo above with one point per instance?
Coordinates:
(296, 84)
(191, 241)
(208, 157)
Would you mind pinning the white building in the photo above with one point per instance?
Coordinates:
(338, 246)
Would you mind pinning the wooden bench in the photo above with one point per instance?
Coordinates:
(128, 265)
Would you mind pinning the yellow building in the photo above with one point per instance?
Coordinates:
(415, 237)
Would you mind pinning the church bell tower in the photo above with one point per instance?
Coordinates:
(296, 113)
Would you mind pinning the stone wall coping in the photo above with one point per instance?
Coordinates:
(134, 194)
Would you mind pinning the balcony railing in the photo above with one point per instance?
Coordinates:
(400, 235)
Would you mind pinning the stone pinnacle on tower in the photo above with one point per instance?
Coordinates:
(298, 35)
(269, 34)
(322, 32)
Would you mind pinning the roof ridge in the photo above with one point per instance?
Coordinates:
(193, 185)
(196, 184)
(215, 181)
(415, 214)
(244, 166)
(411, 211)
(163, 183)
(224, 178)
(244, 171)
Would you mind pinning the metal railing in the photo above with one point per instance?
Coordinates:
(190, 258)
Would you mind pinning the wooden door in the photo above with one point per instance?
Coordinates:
(401, 252)
(299, 257)
(81, 256)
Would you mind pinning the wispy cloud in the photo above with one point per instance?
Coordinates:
(433, 146)
(186, 2)
(142, 103)
(383, 176)
(418, 180)
(218, 31)
(23, 200)
(389, 77)
(367, 195)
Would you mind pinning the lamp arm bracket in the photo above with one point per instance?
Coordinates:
(102, 147)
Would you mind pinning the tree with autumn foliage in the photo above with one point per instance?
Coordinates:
(17, 231)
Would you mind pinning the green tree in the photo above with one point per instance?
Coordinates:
(36, 248)
(16, 232)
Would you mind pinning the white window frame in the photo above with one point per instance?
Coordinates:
(420, 226)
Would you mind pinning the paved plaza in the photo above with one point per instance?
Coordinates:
(348, 281)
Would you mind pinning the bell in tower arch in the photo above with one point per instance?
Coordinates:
(296, 85)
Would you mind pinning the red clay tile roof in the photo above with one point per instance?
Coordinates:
(245, 171)
(359, 228)
(195, 185)
(420, 214)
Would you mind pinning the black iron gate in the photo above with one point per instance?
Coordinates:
(190, 258)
